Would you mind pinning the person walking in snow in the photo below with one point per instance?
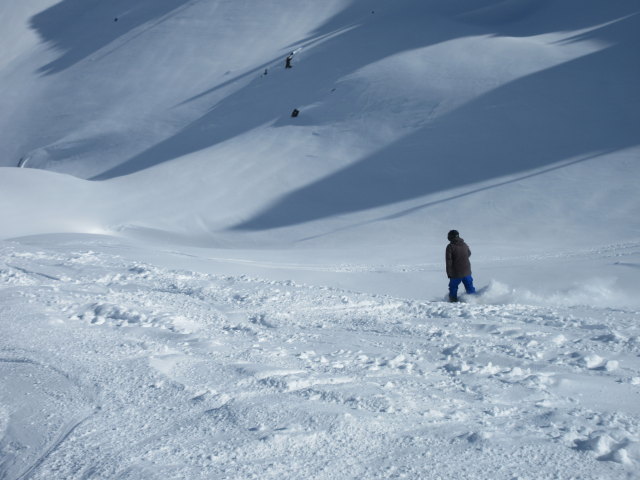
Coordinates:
(458, 265)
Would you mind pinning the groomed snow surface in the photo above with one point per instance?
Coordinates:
(195, 285)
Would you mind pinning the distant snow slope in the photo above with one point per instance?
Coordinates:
(519, 115)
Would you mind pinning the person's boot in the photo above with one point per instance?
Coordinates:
(453, 299)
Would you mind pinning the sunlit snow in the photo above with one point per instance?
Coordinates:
(195, 284)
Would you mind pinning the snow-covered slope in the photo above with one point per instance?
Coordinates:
(194, 284)
(116, 368)
(411, 109)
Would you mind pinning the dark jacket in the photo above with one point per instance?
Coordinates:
(457, 255)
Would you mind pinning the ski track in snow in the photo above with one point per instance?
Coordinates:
(127, 370)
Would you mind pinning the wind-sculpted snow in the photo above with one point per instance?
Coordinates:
(117, 369)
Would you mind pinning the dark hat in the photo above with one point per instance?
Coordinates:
(453, 234)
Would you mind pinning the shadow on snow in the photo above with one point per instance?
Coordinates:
(571, 110)
(78, 28)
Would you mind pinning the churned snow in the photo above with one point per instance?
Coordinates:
(194, 284)
(116, 368)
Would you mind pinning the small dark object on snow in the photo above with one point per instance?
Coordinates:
(115, 19)
(295, 113)
(287, 62)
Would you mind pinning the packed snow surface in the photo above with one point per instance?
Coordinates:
(196, 285)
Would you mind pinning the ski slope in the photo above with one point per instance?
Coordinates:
(116, 368)
(194, 284)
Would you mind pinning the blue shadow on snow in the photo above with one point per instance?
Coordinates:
(77, 27)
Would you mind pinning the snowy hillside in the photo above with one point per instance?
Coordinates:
(195, 284)
(412, 110)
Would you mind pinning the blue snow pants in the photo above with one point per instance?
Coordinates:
(454, 283)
